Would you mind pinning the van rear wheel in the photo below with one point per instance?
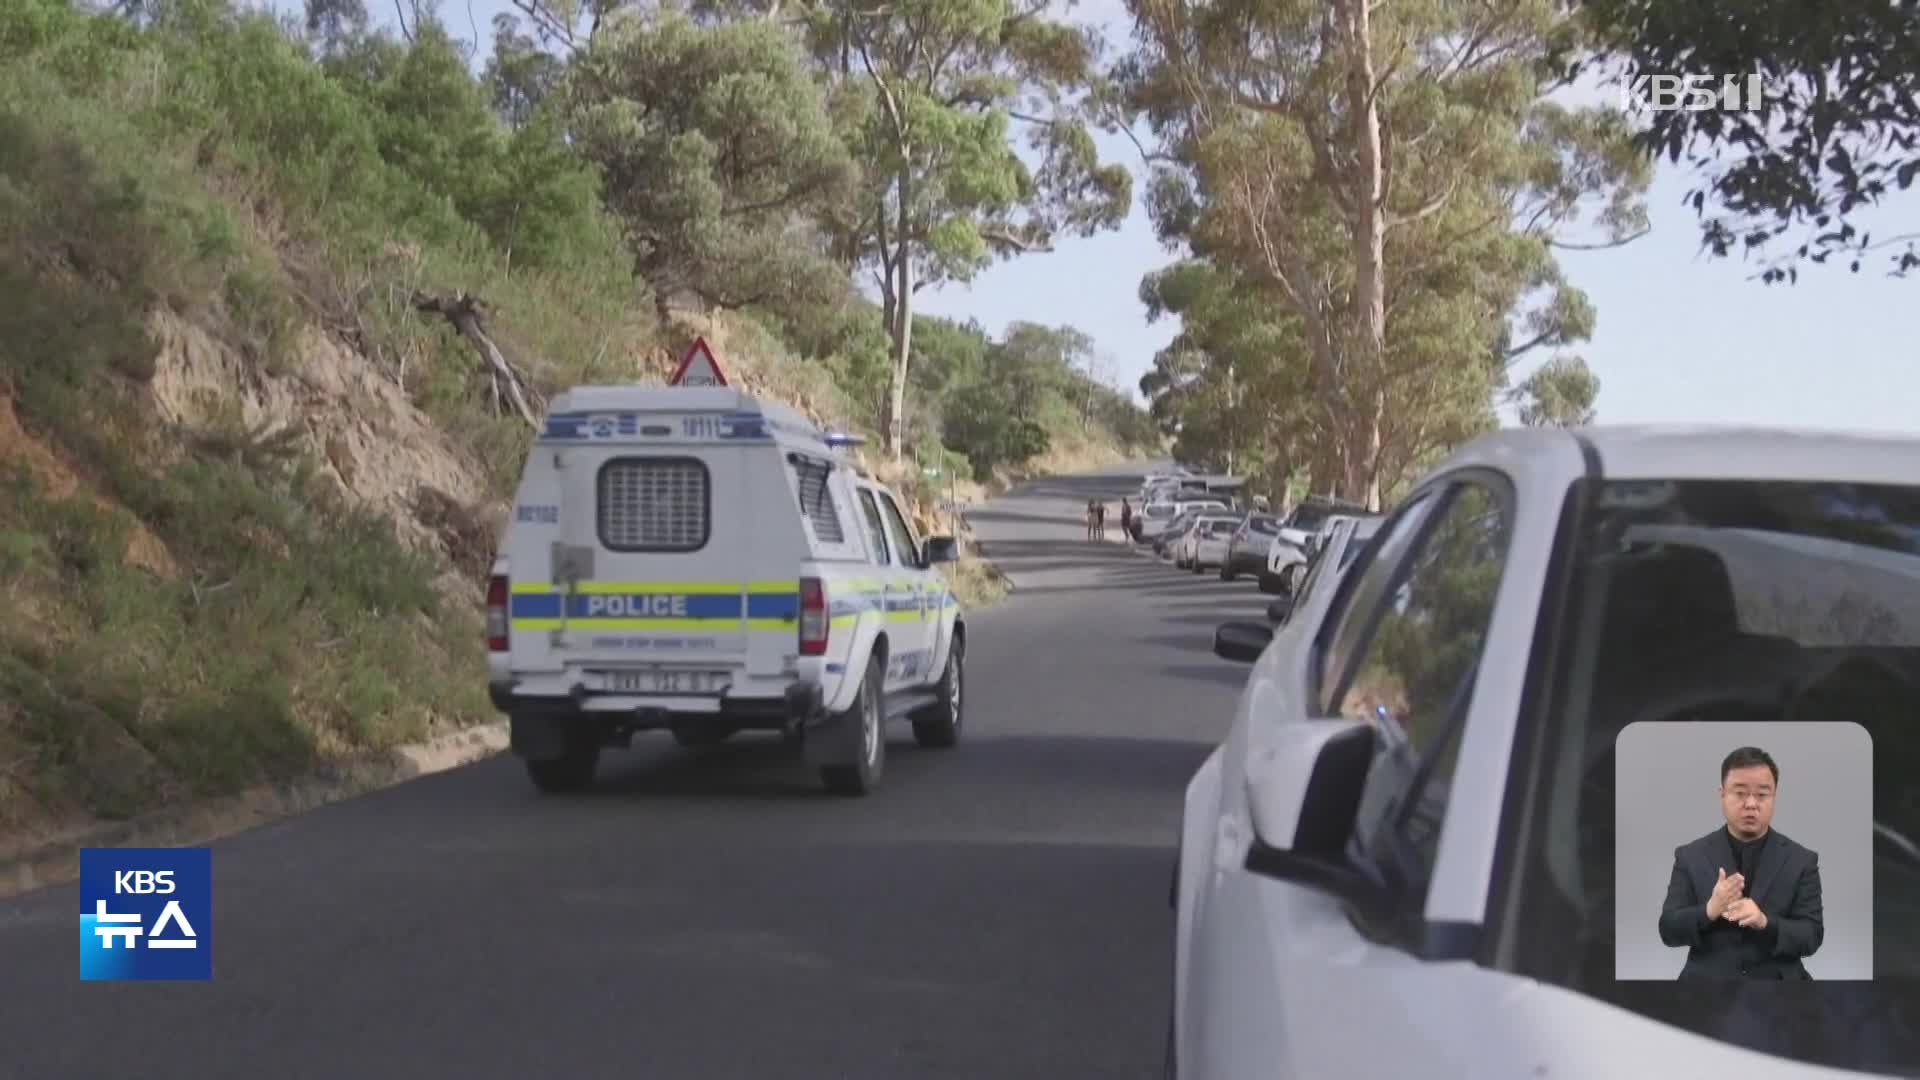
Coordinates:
(569, 772)
(869, 715)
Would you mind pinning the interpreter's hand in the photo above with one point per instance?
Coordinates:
(1747, 913)
(1726, 889)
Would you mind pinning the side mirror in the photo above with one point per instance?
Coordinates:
(1280, 610)
(1242, 641)
(942, 549)
(1303, 792)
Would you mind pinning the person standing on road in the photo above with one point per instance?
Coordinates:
(1093, 516)
(1126, 521)
(1100, 522)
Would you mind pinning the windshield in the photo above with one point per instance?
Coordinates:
(1264, 523)
(1739, 606)
(1220, 527)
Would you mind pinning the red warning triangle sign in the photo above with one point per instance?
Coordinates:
(698, 367)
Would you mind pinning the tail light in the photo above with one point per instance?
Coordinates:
(813, 617)
(497, 614)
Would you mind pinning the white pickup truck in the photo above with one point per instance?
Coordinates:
(700, 561)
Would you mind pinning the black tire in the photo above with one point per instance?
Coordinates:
(1226, 572)
(572, 772)
(937, 727)
(870, 712)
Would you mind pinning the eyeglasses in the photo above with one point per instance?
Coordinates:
(1741, 795)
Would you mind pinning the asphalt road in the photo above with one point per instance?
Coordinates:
(997, 910)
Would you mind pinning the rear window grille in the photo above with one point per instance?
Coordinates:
(658, 504)
(816, 501)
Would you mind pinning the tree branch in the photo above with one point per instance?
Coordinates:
(1004, 239)
(1323, 167)
(1528, 346)
(1604, 245)
(548, 24)
(1427, 210)
(465, 312)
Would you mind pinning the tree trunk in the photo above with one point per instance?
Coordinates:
(1367, 337)
(1360, 477)
(902, 327)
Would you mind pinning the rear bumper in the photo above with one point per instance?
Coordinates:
(543, 724)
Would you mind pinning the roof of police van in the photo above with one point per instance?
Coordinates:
(674, 399)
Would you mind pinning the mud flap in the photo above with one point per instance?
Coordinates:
(831, 738)
(538, 737)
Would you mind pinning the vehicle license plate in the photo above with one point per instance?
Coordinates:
(667, 681)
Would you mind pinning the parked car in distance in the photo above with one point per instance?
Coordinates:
(1403, 852)
(1345, 539)
(1167, 525)
(1311, 514)
(1184, 513)
(1205, 545)
(1285, 564)
(1247, 548)
(1153, 518)
(1291, 554)
(1166, 544)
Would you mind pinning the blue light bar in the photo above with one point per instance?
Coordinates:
(842, 438)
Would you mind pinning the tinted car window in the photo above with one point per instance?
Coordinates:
(1340, 637)
(876, 530)
(1411, 681)
(1732, 602)
(904, 541)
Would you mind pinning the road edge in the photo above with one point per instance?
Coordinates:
(57, 862)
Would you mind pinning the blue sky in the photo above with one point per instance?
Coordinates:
(1680, 336)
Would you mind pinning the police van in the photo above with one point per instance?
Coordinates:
(701, 561)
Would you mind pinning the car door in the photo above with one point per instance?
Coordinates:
(910, 620)
(873, 590)
(1285, 979)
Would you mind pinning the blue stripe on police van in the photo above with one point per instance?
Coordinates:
(773, 606)
(630, 606)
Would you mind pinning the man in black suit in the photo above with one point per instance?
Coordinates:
(1744, 899)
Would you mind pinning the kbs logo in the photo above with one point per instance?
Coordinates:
(1693, 93)
(146, 913)
(141, 882)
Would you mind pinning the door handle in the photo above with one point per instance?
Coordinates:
(1227, 844)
